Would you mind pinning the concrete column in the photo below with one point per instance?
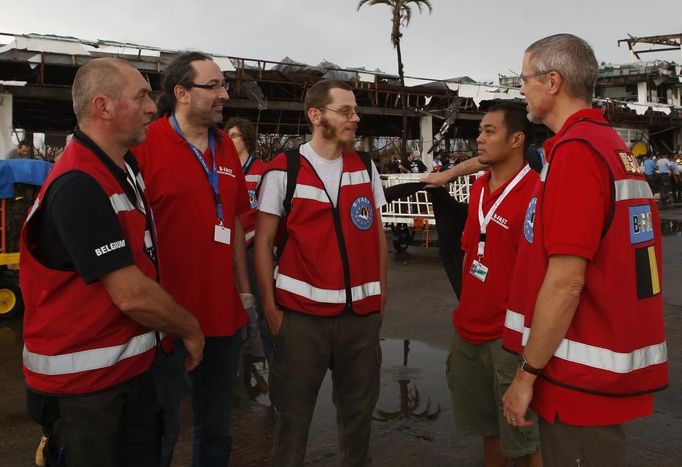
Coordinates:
(642, 93)
(5, 124)
(426, 139)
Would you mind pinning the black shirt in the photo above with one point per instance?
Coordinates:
(76, 219)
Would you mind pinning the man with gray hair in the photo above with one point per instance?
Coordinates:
(88, 275)
(585, 314)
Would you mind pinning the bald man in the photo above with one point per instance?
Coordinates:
(88, 275)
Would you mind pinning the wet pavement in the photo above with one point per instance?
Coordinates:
(413, 421)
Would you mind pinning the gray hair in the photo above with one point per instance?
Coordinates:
(98, 76)
(570, 56)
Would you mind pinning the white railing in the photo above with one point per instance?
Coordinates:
(418, 206)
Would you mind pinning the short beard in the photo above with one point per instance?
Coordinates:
(329, 132)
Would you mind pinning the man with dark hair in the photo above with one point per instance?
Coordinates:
(478, 369)
(324, 307)
(585, 311)
(88, 276)
(22, 151)
(197, 191)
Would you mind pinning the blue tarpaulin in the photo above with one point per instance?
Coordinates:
(28, 171)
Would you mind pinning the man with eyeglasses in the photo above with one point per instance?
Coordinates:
(585, 313)
(324, 306)
(197, 191)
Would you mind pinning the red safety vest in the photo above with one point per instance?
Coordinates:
(75, 338)
(330, 261)
(615, 344)
(252, 174)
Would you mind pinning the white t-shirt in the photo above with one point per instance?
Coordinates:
(273, 186)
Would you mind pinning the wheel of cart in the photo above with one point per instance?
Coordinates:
(20, 180)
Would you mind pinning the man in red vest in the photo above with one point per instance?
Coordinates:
(585, 313)
(88, 275)
(324, 305)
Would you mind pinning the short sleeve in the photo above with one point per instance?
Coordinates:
(576, 202)
(273, 188)
(85, 224)
(378, 189)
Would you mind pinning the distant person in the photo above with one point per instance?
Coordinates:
(197, 191)
(479, 370)
(243, 134)
(414, 165)
(88, 276)
(324, 300)
(22, 151)
(394, 164)
(664, 168)
(437, 165)
(585, 312)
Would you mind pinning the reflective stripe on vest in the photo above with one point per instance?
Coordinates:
(252, 178)
(595, 357)
(311, 192)
(298, 287)
(249, 235)
(355, 178)
(632, 189)
(87, 360)
(121, 203)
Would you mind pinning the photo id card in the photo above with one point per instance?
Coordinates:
(221, 234)
(478, 270)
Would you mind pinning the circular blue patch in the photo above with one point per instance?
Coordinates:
(361, 213)
(529, 221)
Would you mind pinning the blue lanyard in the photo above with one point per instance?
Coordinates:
(212, 175)
(247, 164)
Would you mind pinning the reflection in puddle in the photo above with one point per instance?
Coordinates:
(410, 399)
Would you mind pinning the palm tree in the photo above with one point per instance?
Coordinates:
(401, 15)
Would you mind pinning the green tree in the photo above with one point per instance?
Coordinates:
(401, 14)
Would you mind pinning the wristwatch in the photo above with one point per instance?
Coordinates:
(523, 364)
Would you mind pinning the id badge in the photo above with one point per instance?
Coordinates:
(221, 234)
(478, 270)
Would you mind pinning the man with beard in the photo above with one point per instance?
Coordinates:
(196, 190)
(324, 306)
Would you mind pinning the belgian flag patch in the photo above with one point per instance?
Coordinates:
(648, 282)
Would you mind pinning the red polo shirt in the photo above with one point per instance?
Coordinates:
(480, 314)
(195, 269)
(576, 205)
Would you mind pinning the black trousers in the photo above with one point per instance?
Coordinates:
(119, 426)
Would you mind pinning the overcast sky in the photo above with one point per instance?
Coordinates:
(475, 38)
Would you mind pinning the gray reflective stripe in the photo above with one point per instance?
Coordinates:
(140, 181)
(253, 178)
(33, 209)
(88, 360)
(632, 189)
(355, 178)
(249, 235)
(596, 357)
(543, 172)
(311, 192)
(315, 294)
(121, 203)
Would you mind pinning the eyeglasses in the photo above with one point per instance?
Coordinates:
(211, 86)
(234, 135)
(524, 78)
(346, 113)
